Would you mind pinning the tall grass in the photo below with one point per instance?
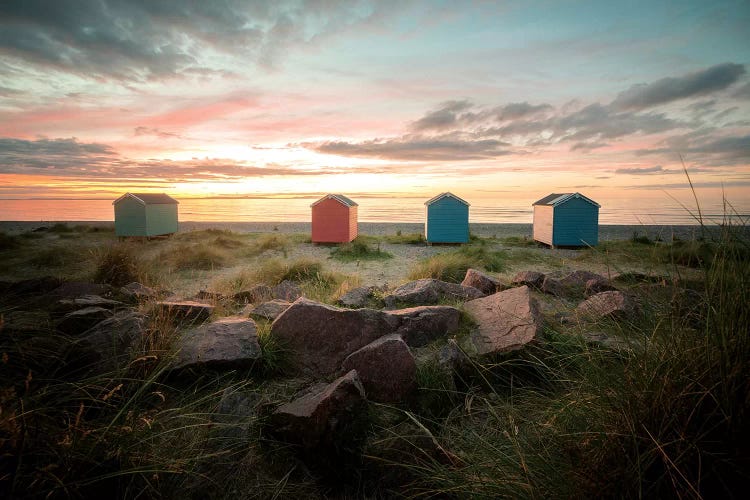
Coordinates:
(452, 266)
(359, 249)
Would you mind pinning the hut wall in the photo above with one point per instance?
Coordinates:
(543, 216)
(353, 223)
(161, 219)
(447, 221)
(332, 222)
(130, 218)
(576, 223)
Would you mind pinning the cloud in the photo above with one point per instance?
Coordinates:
(670, 89)
(657, 169)
(588, 146)
(417, 148)
(52, 154)
(443, 117)
(140, 131)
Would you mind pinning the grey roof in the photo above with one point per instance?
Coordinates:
(558, 198)
(338, 197)
(150, 198)
(443, 195)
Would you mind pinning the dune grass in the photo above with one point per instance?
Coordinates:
(361, 248)
(452, 266)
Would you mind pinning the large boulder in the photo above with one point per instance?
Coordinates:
(419, 326)
(481, 281)
(532, 279)
(386, 369)
(506, 321)
(80, 320)
(430, 291)
(108, 344)
(318, 336)
(607, 304)
(224, 344)
(185, 311)
(269, 310)
(327, 418)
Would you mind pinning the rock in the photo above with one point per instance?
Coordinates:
(224, 344)
(35, 286)
(81, 320)
(107, 345)
(421, 325)
(319, 337)
(597, 285)
(506, 321)
(452, 357)
(25, 323)
(578, 279)
(207, 295)
(329, 416)
(258, 293)
(552, 286)
(386, 369)
(607, 304)
(286, 290)
(76, 289)
(64, 306)
(430, 291)
(481, 281)
(358, 297)
(612, 342)
(137, 292)
(184, 311)
(269, 310)
(531, 279)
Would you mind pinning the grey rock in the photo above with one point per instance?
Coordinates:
(224, 344)
(481, 281)
(64, 306)
(286, 290)
(81, 320)
(329, 416)
(138, 292)
(597, 285)
(421, 325)
(358, 297)
(184, 311)
(613, 304)
(531, 279)
(108, 344)
(258, 293)
(430, 291)
(552, 286)
(318, 337)
(386, 369)
(269, 310)
(506, 321)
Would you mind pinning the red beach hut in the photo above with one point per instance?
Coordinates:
(334, 219)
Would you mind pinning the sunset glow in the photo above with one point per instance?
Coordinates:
(493, 100)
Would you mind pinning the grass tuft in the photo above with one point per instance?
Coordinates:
(452, 266)
(359, 249)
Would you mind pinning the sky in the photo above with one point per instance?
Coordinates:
(374, 98)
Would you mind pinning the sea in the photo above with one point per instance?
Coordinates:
(371, 209)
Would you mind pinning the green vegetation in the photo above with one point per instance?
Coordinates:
(359, 249)
(116, 265)
(406, 239)
(452, 266)
(186, 257)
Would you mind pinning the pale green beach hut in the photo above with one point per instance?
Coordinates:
(145, 214)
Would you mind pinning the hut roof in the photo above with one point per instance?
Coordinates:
(149, 198)
(555, 199)
(444, 195)
(338, 197)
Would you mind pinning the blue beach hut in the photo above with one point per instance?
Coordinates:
(566, 220)
(145, 214)
(447, 219)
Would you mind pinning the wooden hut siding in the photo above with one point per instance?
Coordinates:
(567, 219)
(145, 215)
(130, 218)
(576, 223)
(334, 220)
(447, 220)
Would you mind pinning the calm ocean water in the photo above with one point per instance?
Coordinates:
(370, 210)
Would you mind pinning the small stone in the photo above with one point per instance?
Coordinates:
(138, 292)
(224, 344)
(258, 293)
(184, 311)
(607, 304)
(269, 310)
(531, 279)
(81, 320)
(286, 290)
(358, 297)
(430, 291)
(481, 281)
(421, 325)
